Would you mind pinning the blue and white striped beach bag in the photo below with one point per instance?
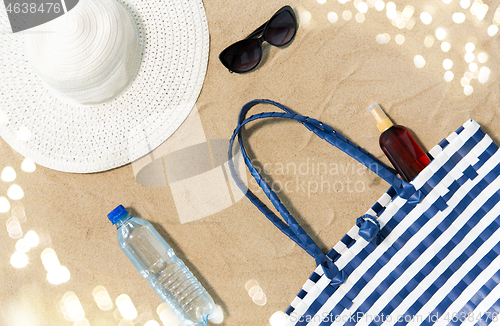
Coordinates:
(427, 253)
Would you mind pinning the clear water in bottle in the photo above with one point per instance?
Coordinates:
(166, 273)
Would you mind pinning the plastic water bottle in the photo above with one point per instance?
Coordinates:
(166, 273)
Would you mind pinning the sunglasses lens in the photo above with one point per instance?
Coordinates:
(243, 56)
(281, 29)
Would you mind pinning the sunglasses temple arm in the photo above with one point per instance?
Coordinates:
(258, 31)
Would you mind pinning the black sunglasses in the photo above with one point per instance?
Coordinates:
(246, 54)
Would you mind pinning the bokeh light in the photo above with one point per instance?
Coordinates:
(470, 47)
(485, 70)
(8, 174)
(400, 39)
(379, 5)
(260, 299)
(126, 322)
(14, 228)
(45, 239)
(250, 284)
(32, 239)
(28, 165)
(482, 57)
(447, 64)
(71, 307)
(458, 17)
(19, 259)
(391, 14)
(411, 23)
(380, 38)
(464, 4)
(219, 317)
(448, 76)
(166, 315)
(18, 212)
(441, 33)
(362, 7)
(429, 41)
(102, 298)
(4, 205)
(408, 12)
(58, 275)
(473, 66)
(83, 322)
(445, 46)
(426, 18)
(483, 78)
(278, 319)
(22, 245)
(151, 323)
(305, 18)
(126, 307)
(49, 259)
(383, 38)
(254, 290)
(469, 57)
(12, 223)
(390, 8)
(479, 10)
(474, 9)
(360, 18)
(399, 22)
(347, 15)
(333, 17)
(419, 61)
(496, 17)
(257, 294)
(468, 90)
(484, 75)
(15, 192)
(492, 30)
(146, 314)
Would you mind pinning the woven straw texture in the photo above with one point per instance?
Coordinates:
(39, 124)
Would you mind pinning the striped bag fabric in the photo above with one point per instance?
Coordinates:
(427, 252)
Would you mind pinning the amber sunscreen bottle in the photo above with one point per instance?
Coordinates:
(399, 145)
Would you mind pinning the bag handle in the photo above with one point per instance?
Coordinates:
(290, 227)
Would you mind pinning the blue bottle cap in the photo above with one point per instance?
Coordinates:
(117, 214)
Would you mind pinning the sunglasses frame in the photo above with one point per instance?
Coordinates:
(253, 37)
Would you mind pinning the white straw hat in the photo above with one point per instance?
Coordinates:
(102, 85)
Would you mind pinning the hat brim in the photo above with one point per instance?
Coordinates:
(85, 139)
